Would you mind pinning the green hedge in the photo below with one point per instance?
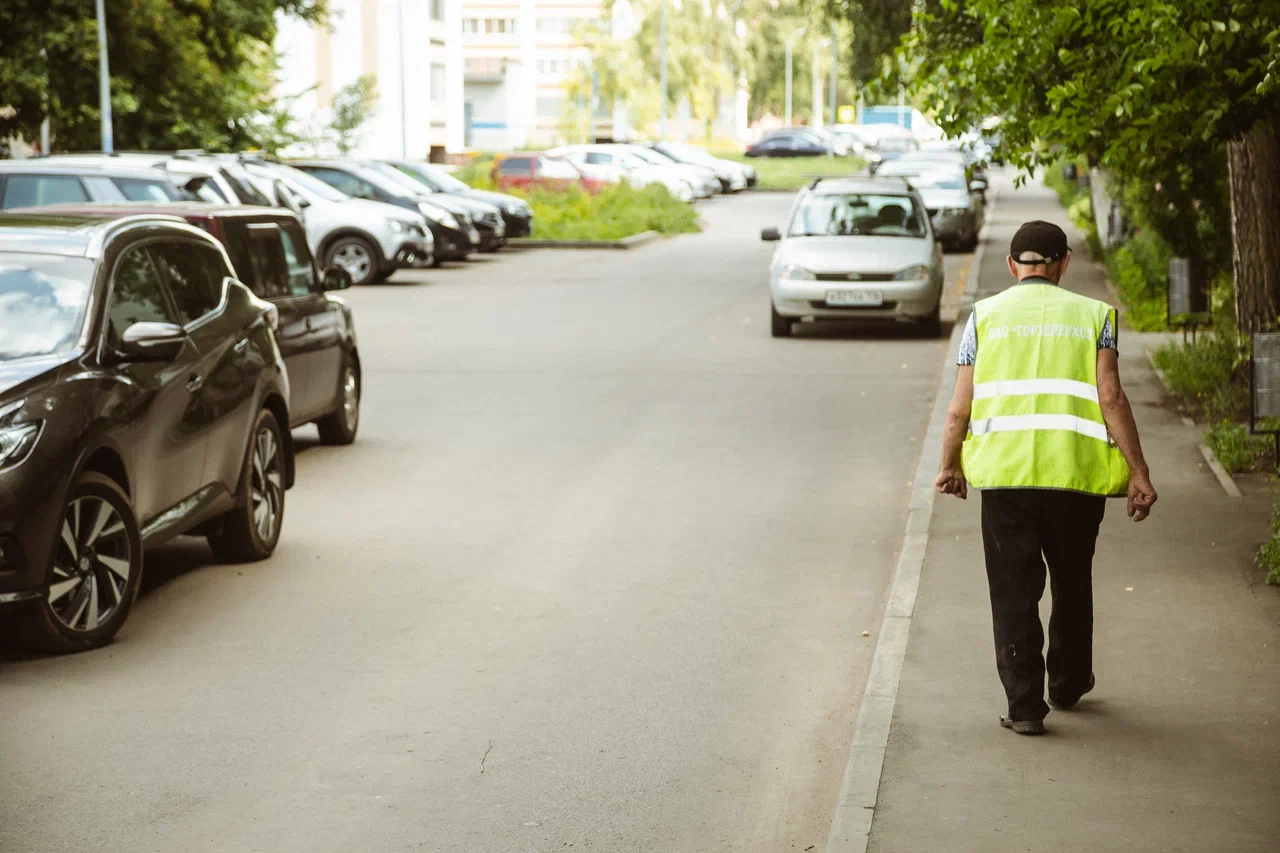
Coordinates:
(616, 212)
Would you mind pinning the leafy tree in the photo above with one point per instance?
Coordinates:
(353, 106)
(184, 73)
(1151, 90)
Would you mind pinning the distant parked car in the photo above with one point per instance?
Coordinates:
(451, 227)
(142, 396)
(41, 181)
(516, 212)
(316, 332)
(368, 239)
(615, 163)
(732, 176)
(856, 250)
(954, 209)
(793, 143)
(485, 216)
(533, 170)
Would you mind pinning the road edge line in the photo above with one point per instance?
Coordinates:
(860, 784)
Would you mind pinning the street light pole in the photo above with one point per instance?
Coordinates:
(815, 119)
(834, 55)
(404, 130)
(104, 81)
(662, 49)
(795, 34)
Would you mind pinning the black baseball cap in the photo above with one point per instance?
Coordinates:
(1039, 242)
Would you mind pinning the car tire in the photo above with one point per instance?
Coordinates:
(383, 275)
(931, 327)
(357, 256)
(250, 531)
(339, 426)
(781, 326)
(105, 568)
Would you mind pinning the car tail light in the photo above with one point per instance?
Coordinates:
(273, 318)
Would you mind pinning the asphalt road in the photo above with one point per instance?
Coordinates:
(594, 576)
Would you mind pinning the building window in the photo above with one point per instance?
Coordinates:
(550, 107)
(437, 82)
(437, 10)
(471, 25)
(487, 66)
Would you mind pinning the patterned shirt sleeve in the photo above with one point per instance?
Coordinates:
(1107, 340)
(969, 343)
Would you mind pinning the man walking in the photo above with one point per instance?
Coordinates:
(1040, 424)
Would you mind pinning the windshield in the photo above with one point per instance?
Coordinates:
(397, 179)
(438, 178)
(305, 183)
(832, 215)
(895, 143)
(940, 179)
(651, 157)
(42, 303)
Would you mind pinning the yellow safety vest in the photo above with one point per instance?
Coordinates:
(1036, 422)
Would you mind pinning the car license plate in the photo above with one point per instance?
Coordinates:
(861, 298)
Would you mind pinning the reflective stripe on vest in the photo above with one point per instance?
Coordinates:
(1036, 421)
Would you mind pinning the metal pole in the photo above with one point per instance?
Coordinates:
(404, 130)
(902, 106)
(662, 49)
(787, 113)
(832, 94)
(104, 81)
(815, 110)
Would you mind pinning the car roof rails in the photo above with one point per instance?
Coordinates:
(189, 153)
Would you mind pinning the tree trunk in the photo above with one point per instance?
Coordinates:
(1254, 165)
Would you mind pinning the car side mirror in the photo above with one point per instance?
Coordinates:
(336, 278)
(153, 341)
(770, 235)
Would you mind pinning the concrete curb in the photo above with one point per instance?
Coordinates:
(1224, 479)
(632, 242)
(860, 785)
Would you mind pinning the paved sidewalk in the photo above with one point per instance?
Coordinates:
(1178, 748)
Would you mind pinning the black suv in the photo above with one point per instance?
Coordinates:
(142, 396)
(317, 334)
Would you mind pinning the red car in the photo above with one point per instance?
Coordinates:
(532, 170)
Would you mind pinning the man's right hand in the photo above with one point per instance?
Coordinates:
(1141, 496)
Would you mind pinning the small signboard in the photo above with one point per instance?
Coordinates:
(845, 114)
(1187, 291)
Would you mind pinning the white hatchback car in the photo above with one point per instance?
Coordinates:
(857, 250)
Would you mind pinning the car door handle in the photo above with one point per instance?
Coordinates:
(194, 383)
(242, 346)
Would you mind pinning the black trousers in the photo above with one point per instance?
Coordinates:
(1022, 529)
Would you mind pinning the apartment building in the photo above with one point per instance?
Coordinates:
(413, 51)
(518, 56)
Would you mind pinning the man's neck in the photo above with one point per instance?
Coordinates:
(1036, 279)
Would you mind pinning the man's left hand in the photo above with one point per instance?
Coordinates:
(951, 482)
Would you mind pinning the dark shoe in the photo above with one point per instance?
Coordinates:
(1024, 727)
(1059, 705)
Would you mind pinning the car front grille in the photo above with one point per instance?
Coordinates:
(855, 276)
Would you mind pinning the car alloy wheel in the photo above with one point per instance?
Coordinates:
(92, 565)
(354, 256)
(267, 484)
(350, 399)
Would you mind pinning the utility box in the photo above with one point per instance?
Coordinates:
(1069, 172)
(1266, 376)
(1188, 288)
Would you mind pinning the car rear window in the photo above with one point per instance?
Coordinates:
(37, 190)
(516, 166)
(138, 189)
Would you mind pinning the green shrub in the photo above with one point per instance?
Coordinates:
(616, 212)
(1140, 271)
(1208, 375)
(1268, 555)
(1080, 212)
(1237, 450)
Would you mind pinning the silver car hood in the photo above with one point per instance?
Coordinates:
(855, 254)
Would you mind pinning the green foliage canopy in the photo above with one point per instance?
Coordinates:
(184, 73)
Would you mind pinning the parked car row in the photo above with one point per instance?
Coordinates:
(371, 217)
(686, 171)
